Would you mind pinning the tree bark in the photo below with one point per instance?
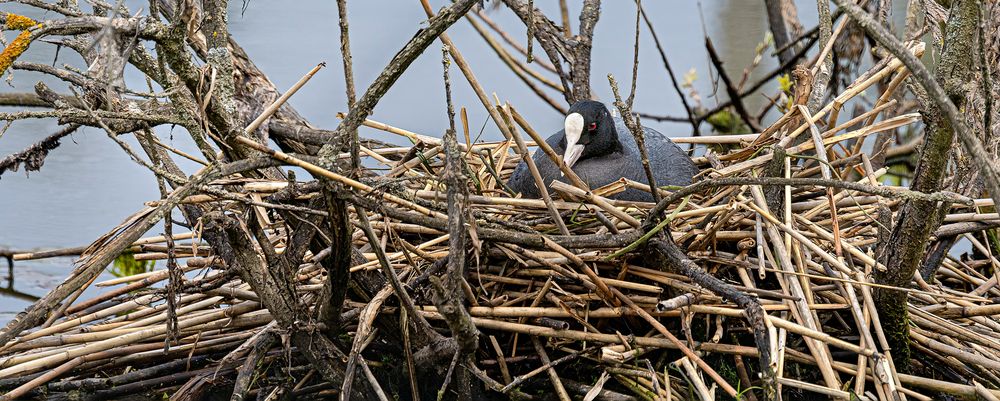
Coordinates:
(580, 71)
(779, 29)
(917, 219)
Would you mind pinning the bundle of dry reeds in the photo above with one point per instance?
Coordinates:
(742, 284)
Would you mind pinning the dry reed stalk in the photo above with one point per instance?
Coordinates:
(816, 258)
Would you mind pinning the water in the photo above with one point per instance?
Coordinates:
(88, 185)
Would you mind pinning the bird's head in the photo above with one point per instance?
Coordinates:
(590, 131)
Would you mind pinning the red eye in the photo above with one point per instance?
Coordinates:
(593, 126)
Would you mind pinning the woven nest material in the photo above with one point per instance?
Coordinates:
(736, 266)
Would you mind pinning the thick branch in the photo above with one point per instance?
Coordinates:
(779, 29)
(580, 71)
(449, 295)
(276, 289)
(918, 218)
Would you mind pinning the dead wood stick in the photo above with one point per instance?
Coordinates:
(104, 253)
(448, 294)
(245, 374)
(549, 367)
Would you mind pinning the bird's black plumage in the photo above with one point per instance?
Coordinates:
(609, 153)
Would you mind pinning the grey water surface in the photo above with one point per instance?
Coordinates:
(89, 185)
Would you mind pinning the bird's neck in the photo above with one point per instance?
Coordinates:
(613, 144)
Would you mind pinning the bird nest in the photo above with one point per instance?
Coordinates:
(763, 276)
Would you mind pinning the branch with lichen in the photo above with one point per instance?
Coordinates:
(31, 30)
(16, 47)
(16, 22)
(14, 50)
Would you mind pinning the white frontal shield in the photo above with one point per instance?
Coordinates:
(573, 129)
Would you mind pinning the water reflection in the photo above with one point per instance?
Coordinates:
(8, 290)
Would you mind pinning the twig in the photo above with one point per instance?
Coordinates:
(670, 71)
(553, 376)
(345, 51)
(631, 121)
(731, 89)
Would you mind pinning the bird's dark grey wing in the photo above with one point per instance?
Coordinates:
(521, 180)
(671, 165)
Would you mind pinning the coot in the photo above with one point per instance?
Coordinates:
(601, 150)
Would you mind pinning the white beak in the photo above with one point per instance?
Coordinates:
(573, 153)
(573, 130)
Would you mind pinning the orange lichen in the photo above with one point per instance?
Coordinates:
(19, 22)
(14, 50)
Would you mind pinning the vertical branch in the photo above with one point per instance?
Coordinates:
(448, 294)
(779, 30)
(670, 71)
(338, 264)
(345, 51)
(631, 121)
(220, 58)
(159, 158)
(918, 218)
(447, 86)
(635, 55)
(821, 72)
(174, 283)
(580, 71)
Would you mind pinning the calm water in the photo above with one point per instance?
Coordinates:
(88, 185)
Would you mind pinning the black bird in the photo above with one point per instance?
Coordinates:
(600, 150)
